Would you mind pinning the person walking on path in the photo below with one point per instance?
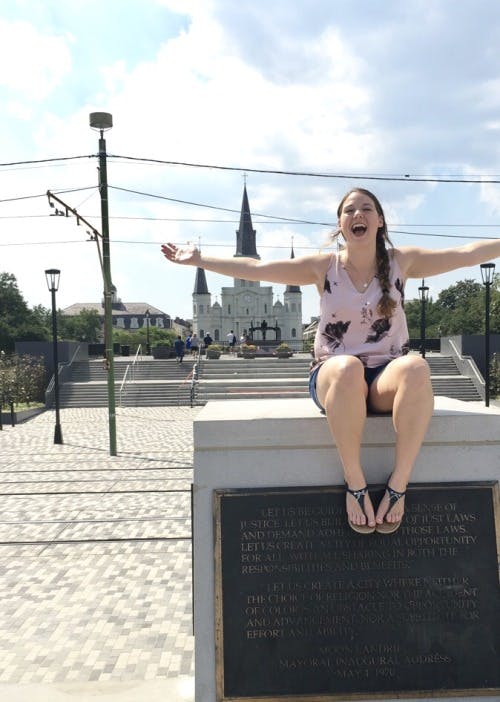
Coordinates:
(207, 339)
(231, 340)
(195, 344)
(179, 347)
(361, 359)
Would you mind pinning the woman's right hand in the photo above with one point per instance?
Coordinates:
(187, 255)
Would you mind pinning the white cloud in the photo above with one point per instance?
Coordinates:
(34, 64)
(312, 86)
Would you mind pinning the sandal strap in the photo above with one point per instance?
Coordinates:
(394, 496)
(359, 495)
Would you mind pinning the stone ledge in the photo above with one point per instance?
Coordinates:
(289, 441)
(274, 443)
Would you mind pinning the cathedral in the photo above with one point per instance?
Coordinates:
(248, 308)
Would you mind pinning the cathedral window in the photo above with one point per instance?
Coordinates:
(294, 333)
(229, 309)
(200, 309)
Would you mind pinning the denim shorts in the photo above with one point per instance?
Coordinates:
(370, 375)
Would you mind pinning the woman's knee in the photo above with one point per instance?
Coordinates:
(342, 370)
(416, 372)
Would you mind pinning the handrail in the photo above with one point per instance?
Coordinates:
(194, 377)
(63, 369)
(467, 359)
(130, 367)
(135, 362)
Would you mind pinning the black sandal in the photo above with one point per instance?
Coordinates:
(359, 496)
(390, 527)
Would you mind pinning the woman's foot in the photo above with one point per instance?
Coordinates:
(390, 511)
(360, 514)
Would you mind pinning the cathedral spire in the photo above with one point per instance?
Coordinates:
(292, 288)
(245, 235)
(200, 283)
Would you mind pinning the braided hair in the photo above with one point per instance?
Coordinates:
(386, 305)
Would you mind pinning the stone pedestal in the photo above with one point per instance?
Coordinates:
(278, 443)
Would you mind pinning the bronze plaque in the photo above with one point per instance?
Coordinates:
(308, 610)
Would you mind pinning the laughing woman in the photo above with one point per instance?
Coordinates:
(361, 346)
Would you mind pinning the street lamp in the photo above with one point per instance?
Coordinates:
(52, 277)
(148, 345)
(487, 270)
(423, 293)
(102, 121)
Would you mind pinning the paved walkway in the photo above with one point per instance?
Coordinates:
(95, 558)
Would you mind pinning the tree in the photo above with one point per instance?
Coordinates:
(84, 326)
(22, 378)
(17, 321)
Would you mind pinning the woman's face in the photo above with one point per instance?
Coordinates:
(359, 219)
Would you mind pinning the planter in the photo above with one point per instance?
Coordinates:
(284, 354)
(163, 352)
(213, 354)
(21, 415)
(249, 354)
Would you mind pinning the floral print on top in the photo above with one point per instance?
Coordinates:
(350, 324)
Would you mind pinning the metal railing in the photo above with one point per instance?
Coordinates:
(63, 373)
(195, 374)
(129, 375)
(467, 367)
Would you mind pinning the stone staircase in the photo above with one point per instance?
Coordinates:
(166, 383)
(244, 379)
(155, 383)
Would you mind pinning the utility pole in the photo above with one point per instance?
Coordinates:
(103, 121)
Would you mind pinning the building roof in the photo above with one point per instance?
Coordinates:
(123, 310)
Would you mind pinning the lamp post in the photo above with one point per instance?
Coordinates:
(423, 293)
(52, 277)
(487, 270)
(148, 345)
(102, 121)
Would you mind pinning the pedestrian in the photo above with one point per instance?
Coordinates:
(179, 347)
(188, 344)
(361, 358)
(195, 344)
(207, 339)
(231, 340)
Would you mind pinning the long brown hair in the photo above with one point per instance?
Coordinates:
(386, 305)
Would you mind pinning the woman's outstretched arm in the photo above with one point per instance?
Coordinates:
(303, 270)
(420, 263)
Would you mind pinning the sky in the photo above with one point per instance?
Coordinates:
(302, 99)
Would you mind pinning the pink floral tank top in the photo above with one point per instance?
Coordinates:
(350, 324)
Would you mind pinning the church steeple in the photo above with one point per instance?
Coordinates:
(245, 235)
(292, 288)
(200, 283)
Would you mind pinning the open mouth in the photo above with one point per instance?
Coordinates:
(359, 229)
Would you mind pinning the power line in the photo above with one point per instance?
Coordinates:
(46, 160)
(60, 191)
(406, 177)
(313, 247)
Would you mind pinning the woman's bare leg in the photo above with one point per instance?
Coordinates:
(342, 391)
(404, 387)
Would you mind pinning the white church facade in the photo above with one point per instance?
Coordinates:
(248, 308)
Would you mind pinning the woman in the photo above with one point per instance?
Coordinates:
(361, 345)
